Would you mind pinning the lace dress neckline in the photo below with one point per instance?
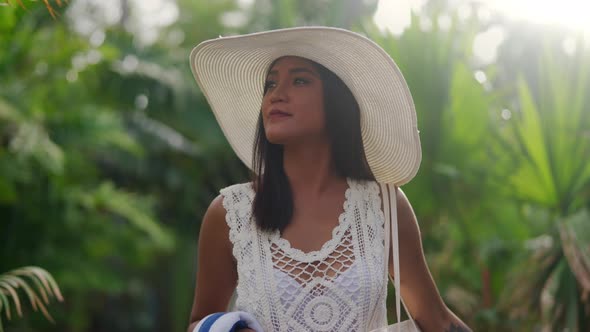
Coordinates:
(329, 246)
(340, 287)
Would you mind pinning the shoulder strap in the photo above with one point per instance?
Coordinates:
(237, 202)
(390, 210)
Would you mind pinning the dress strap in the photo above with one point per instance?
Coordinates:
(237, 202)
(390, 210)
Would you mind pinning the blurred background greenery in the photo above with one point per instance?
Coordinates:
(109, 154)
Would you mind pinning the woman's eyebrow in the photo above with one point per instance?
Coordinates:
(295, 70)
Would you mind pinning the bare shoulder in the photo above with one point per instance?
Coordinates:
(216, 209)
(232, 197)
(213, 224)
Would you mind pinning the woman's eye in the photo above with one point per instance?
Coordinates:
(268, 85)
(300, 81)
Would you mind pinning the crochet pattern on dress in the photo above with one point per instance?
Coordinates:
(341, 287)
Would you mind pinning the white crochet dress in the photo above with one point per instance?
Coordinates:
(341, 287)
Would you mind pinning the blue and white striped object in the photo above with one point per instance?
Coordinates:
(228, 322)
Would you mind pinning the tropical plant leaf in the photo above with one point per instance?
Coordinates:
(551, 129)
(575, 236)
(546, 141)
(107, 198)
(32, 140)
(47, 4)
(533, 178)
(12, 281)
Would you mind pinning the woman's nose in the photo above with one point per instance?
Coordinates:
(279, 93)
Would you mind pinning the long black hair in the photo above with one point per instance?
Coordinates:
(273, 202)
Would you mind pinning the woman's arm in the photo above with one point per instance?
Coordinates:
(417, 286)
(216, 268)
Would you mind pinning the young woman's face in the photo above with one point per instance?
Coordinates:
(293, 105)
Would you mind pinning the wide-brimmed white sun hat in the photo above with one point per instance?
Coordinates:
(231, 72)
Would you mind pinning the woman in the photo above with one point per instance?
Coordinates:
(303, 243)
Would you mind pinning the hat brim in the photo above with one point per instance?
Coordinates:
(231, 71)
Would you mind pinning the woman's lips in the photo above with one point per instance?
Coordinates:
(276, 114)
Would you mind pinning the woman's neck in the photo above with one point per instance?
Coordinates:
(309, 168)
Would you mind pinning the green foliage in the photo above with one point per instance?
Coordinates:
(265, 14)
(56, 132)
(482, 175)
(549, 157)
(549, 138)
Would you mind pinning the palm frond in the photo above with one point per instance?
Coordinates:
(47, 4)
(576, 245)
(38, 285)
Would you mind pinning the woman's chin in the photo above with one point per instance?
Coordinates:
(277, 137)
